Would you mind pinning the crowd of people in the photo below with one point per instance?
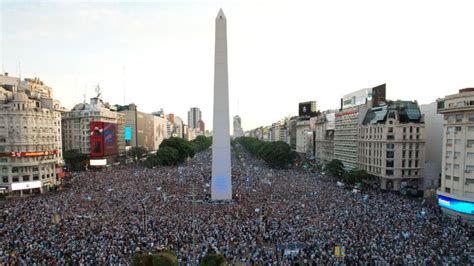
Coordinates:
(277, 217)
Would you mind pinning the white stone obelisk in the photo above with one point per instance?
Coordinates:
(221, 188)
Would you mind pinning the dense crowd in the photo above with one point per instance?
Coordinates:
(277, 217)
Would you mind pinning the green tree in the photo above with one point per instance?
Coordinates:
(213, 259)
(75, 160)
(184, 147)
(356, 175)
(201, 143)
(137, 152)
(335, 168)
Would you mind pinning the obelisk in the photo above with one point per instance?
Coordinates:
(221, 188)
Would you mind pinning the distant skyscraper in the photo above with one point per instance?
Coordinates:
(194, 115)
(238, 132)
(221, 188)
(201, 126)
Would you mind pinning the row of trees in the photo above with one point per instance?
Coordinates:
(336, 169)
(174, 151)
(277, 154)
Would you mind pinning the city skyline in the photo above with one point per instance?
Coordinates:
(280, 54)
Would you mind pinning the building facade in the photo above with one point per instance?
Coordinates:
(141, 125)
(30, 140)
(194, 115)
(238, 132)
(324, 125)
(391, 146)
(76, 125)
(433, 148)
(353, 109)
(456, 193)
(302, 131)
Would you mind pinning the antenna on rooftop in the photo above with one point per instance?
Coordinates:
(98, 91)
(85, 93)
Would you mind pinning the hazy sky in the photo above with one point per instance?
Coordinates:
(280, 52)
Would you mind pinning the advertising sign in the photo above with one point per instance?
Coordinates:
(26, 185)
(456, 205)
(110, 139)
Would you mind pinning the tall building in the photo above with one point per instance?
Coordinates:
(391, 146)
(238, 132)
(456, 194)
(302, 130)
(77, 129)
(178, 127)
(221, 187)
(139, 127)
(279, 131)
(433, 148)
(324, 125)
(30, 138)
(160, 130)
(194, 116)
(352, 111)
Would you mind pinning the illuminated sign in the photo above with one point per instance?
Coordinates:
(346, 113)
(28, 153)
(98, 162)
(128, 133)
(26, 185)
(456, 205)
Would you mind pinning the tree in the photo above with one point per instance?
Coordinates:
(335, 168)
(213, 259)
(75, 160)
(356, 175)
(201, 143)
(277, 154)
(137, 152)
(185, 148)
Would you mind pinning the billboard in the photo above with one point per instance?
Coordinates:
(308, 109)
(128, 133)
(98, 162)
(110, 139)
(26, 185)
(378, 95)
(356, 98)
(456, 205)
(103, 139)
(97, 139)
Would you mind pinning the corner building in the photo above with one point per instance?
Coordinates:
(456, 194)
(30, 141)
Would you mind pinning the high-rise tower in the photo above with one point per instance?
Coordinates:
(221, 168)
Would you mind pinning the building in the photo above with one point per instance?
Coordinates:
(433, 148)
(178, 127)
(279, 131)
(391, 146)
(302, 131)
(350, 115)
(201, 128)
(139, 126)
(323, 131)
(194, 116)
(76, 125)
(160, 130)
(456, 193)
(238, 132)
(291, 132)
(307, 109)
(30, 139)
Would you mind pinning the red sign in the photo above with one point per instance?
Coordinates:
(346, 113)
(28, 153)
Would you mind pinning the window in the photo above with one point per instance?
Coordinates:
(389, 163)
(15, 170)
(390, 137)
(447, 177)
(470, 143)
(390, 130)
(456, 167)
(26, 178)
(390, 146)
(471, 117)
(15, 179)
(451, 118)
(390, 154)
(417, 130)
(470, 154)
(459, 118)
(449, 142)
(470, 128)
(458, 129)
(450, 130)
(458, 141)
(456, 178)
(469, 181)
(389, 172)
(5, 179)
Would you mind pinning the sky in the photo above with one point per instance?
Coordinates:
(160, 54)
